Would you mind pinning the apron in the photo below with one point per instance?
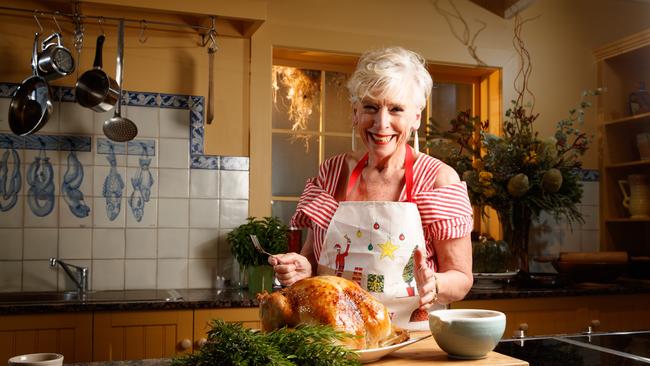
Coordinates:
(372, 244)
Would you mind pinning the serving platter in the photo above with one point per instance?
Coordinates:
(374, 354)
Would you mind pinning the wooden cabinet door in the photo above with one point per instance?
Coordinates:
(622, 312)
(134, 335)
(67, 334)
(249, 317)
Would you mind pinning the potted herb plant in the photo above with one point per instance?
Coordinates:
(272, 235)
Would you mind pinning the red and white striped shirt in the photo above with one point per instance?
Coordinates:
(446, 212)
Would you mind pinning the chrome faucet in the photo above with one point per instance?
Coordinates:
(79, 277)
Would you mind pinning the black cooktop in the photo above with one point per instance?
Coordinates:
(629, 348)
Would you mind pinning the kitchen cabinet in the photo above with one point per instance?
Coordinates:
(132, 335)
(568, 315)
(68, 334)
(621, 66)
(249, 317)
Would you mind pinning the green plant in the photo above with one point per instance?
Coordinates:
(270, 231)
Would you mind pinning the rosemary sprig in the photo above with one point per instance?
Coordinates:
(232, 344)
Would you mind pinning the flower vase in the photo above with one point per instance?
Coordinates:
(260, 278)
(516, 232)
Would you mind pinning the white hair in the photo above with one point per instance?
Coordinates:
(390, 72)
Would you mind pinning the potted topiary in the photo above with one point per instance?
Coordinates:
(272, 235)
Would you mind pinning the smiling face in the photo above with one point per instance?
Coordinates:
(384, 125)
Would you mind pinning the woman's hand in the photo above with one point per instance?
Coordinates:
(425, 279)
(290, 267)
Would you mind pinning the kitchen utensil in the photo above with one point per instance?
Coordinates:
(95, 89)
(467, 333)
(55, 61)
(599, 267)
(31, 106)
(210, 113)
(119, 128)
(37, 359)
(258, 246)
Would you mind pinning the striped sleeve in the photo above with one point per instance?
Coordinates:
(446, 212)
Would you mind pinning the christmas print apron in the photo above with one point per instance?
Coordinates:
(372, 243)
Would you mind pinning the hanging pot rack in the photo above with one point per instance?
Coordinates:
(208, 34)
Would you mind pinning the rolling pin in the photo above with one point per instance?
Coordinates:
(594, 257)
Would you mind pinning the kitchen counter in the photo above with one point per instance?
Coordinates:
(49, 302)
(421, 353)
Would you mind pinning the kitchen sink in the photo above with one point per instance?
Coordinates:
(49, 297)
(39, 297)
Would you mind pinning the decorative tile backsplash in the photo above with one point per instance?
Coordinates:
(152, 213)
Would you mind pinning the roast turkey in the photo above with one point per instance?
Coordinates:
(334, 301)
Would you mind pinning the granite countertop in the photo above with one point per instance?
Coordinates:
(129, 300)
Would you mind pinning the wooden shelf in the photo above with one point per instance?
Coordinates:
(629, 164)
(623, 220)
(631, 119)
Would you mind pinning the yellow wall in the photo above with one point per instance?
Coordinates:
(560, 42)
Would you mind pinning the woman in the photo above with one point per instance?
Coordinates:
(402, 215)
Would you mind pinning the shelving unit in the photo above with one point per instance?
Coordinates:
(621, 65)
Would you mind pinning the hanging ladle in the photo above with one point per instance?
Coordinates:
(118, 128)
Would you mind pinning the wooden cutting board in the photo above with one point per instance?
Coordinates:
(427, 352)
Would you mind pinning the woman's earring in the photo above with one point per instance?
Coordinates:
(416, 142)
(354, 137)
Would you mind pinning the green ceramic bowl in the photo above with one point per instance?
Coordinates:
(467, 333)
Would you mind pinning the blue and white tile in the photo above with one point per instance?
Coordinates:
(174, 153)
(12, 244)
(11, 275)
(75, 243)
(233, 184)
(173, 183)
(204, 213)
(146, 119)
(172, 243)
(7, 90)
(204, 183)
(102, 147)
(139, 274)
(175, 123)
(99, 176)
(76, 119)
(53, 157)
(172, 274)
(204, 243)
(135, 152)
(108, 274)
(136, 98)
(4, 114)
(64, 281)
(149, 217)
(50, 220)
(205, 162)
(109, 243)
(69, 220)
(203, 273)
(87, 186)
(38, 276)
(173, 213)
(132, 172)
(100, 216)
(174, 101)
(141, 243)
(232, 213)
(14, 217)
(40, 243)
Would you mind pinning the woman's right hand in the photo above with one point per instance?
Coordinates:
(290, 267)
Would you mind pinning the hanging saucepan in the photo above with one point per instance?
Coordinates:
(31, 106)
(95, 89)
(55, 61)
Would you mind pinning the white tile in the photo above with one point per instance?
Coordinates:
(204, 243)
(133, 160)
(132, 173)
(223, 246)
(173, 183)
(100, 214)
(172, 243)
(173, 213)
(108, 274)
(228, 268)
(53, 122)
(76, 119)
(4, 114)
(174, 153)
(100, 173)
(12, 244)
(140, 243)
(86, 158)
(108, 243)
(204, 213)
(202, 273)
(14, 217)
(53, 157)
(146, 118)
(234, 184)
(172, 274)
(232, 213)
(64, 281)
(204, 183)
(39, 276)
(69, 219)
(139, 274)
(590, 191)
(34, 221)
(149, 216)
(571, 239)
(11, 275)
(590, 215)
(40, 243)
(174, 122)
(589, 241)
(75, 243)
(100, 117)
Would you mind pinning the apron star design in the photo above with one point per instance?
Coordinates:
(387, 249)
